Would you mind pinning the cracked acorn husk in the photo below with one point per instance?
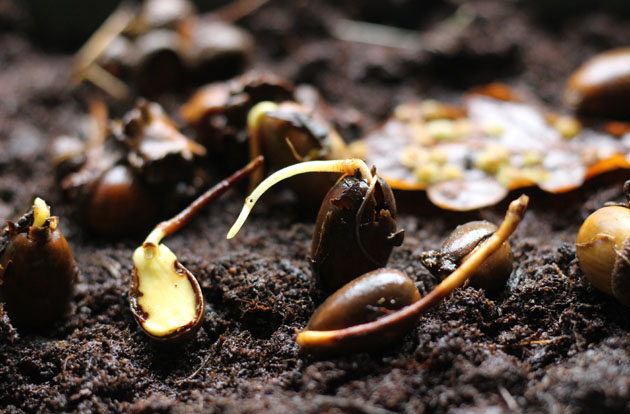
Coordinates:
(115, 182)
(291, 133)
(337, 256)
(491, 275)
(603, 250)
(218, 112)
(365, 299)
(170, 307)
(37, 269)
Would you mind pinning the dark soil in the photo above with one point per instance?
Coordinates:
(549, 342)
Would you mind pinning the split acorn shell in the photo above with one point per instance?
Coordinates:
(37, 270)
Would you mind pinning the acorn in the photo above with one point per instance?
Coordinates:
(37, 269)
(603, 249)
(491, 275)
(381, 306)
(601, 86)
(365, 299)
(355, 231)
(356, 225)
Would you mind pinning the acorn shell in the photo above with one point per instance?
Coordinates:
(37, 275)
(365, 299)
(602, 250)
(336, 256)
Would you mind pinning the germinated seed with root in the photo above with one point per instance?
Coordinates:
(164, 296)
(382, 331)
(37, 269)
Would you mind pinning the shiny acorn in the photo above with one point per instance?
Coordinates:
(603, 249)
(355, 231)
(365, 299)
(491, 275)
(356, 225)
(355, 318)
(601, 86)
(37, 269)
(164, 296)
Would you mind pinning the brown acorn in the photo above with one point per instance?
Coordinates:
(603, 249)
(288, 133)
(118, 182)
(37, 269)
(491, 275)
(356, 226)
(601, 86)
(348, 242)
(365, 299)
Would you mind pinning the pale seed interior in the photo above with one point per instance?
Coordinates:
(167, 297)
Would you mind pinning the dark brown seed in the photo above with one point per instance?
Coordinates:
(37, 272)
(601, 86)
(365, 299)
(219, 113)
(494, 271)
(337, 256)
(118, 203)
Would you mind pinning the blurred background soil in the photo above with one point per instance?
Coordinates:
(549, 342)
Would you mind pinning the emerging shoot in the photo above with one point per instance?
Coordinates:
(377, 333)
(165, 297)
(37, 269)
(348, 166)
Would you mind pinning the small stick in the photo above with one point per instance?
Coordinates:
(115, 24)
(98, 122)
(237, 10)
(348, 166)
(104, 80)
(168, 227)
(330, 339)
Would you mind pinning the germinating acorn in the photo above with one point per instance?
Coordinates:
(355, 231)
(491, 275)
(366, 298)
(37, 269)
(603, 249)
(164, 296)
(356, 226)
(358, 318)
(288, 133)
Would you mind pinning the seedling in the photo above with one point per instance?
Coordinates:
(165, 297)
(37, 269)
(380, 332)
